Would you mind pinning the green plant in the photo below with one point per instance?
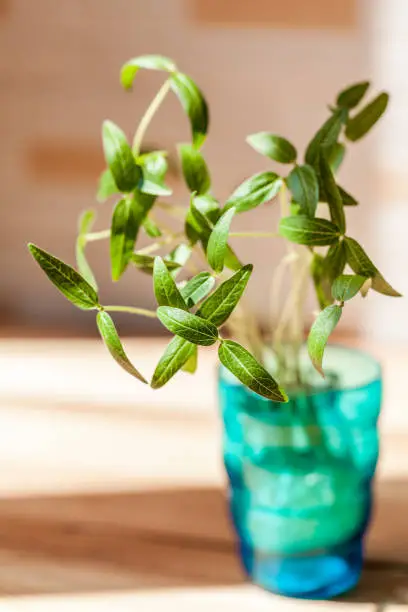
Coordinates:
(195, 309)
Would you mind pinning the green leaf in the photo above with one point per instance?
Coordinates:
(191, 364)
(231, 260)
(195, 169)
(332, 194)
(321, 279)
(326, 136)
(180, 256)
(303, 183)
(86, 221)
(188, 326)
(194, 104)
(352, 96)
(311, 232)
(220, 304)
(197, 288)
(106, 186)
(360, 124)
(208, 206)
(361, 264)
(335, 260)
(218, 241)
(112, 342)
(275, 147)
(145, 263)
(347, 286)
(149, 62)
(319, 334)
(154, 167)
(124, 229)
(165, 289)
(335, 155)
(177, 354)
(254, 191)
(348, 199)
(66, 279)
(249, 371)
(119, 157)
(151, 228)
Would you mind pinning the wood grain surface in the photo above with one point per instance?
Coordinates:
(111, 495)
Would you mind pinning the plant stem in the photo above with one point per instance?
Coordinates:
(148, 116)
(254, 235)
(92, 236)
(140, 311)
(157, 245)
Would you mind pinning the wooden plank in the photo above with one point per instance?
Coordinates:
(275, 13)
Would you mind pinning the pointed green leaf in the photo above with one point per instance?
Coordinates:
(332, 194)
(346, 286)
(311, 232)
(348, 199)
(335, 260)
(231, 260)
(119, 157)
(249, 371)
(165, 289)
(86, 221)
(208, 206)
(176, 356)
(195, 170)
(191, 364)
(106, 186)
(124, 229)
(321, 280)
(275, 147)
(154, 167)
(319, 334)
(197, 288)
(218, 241)
(220, 304)
(145, 263)
(360, 124)
(66, 279)
(151, 228)
(335, 155)
(326, 136)
(149, 62)
(197, 226)
(303, 183)
(112, 342)
(361, 264)
(352, 96)
(194, 104)
(254, 191)
(188, 326)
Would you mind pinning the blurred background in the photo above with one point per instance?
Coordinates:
(111, 494)
(263, 65)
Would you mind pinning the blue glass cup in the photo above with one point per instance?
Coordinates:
(301, 475)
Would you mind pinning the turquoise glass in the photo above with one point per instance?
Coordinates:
(301, 475)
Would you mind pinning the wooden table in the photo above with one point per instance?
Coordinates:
(111, 493)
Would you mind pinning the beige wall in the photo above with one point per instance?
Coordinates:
(59, 65)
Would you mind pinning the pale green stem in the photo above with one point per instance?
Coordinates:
(91, 237)
(254, 235)
(151, 248)
(139, 311)
(148, 116)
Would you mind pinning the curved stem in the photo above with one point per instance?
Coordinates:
(148, 116)
(139, 311)
(254, 235)
(92, 236)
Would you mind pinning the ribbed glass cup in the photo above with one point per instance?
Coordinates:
(301, 476)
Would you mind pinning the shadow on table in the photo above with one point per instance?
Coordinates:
(158, 539)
